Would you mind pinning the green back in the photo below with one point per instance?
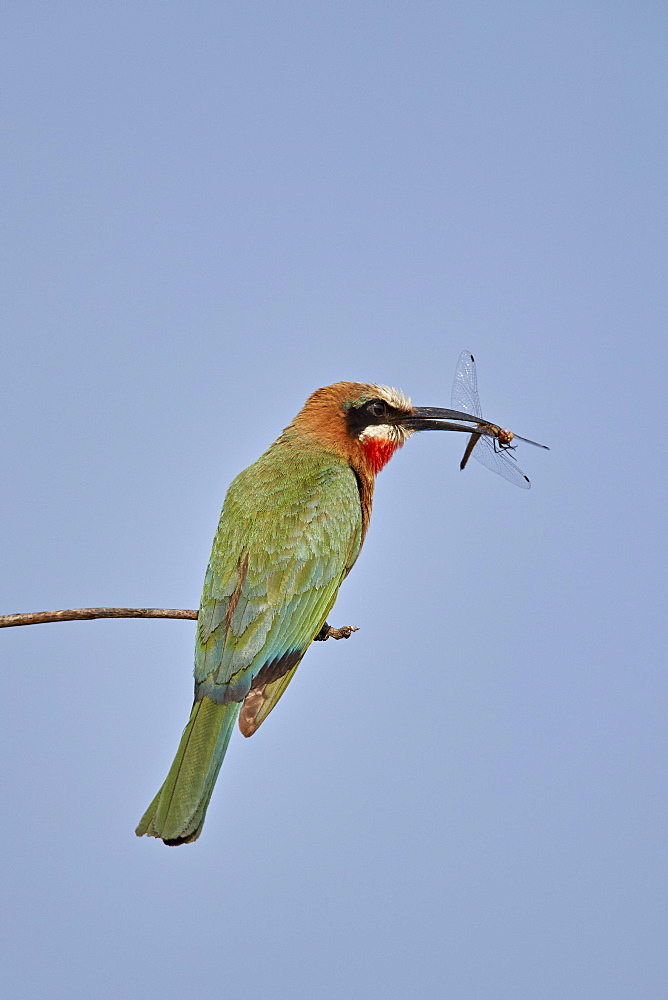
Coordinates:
(289, 532)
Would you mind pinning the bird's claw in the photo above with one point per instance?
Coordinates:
(327, 632)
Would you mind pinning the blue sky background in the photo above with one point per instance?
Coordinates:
(211, 209)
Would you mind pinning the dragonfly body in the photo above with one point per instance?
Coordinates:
(489, 443)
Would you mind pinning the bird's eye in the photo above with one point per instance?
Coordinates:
(377, 408)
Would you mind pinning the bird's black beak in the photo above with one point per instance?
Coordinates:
(436, 418)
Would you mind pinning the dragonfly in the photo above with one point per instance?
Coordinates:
(489, 444)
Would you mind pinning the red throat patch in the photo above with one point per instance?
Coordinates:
(379, 451)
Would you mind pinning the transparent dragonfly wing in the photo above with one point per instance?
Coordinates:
(465, 386)
(501, 462)
(487, 451)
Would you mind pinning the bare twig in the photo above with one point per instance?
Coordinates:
(82, 614)
(327, 632)
(344, 632)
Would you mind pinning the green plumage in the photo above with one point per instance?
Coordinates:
(177, 812)
(289, 532)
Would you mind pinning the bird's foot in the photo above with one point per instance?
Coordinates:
(327, 632)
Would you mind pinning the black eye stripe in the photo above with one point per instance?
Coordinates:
(372, 412)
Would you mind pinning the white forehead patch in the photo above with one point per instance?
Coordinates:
(394, 397)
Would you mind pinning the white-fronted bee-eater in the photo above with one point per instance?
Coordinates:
(291, 528)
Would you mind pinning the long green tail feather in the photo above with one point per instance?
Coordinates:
(177, 812)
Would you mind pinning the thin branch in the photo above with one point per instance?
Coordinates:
(327, 632)
(344, 632)
(82, 614)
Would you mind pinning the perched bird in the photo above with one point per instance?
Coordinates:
(291, 528)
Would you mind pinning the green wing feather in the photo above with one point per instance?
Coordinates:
(289, 533)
